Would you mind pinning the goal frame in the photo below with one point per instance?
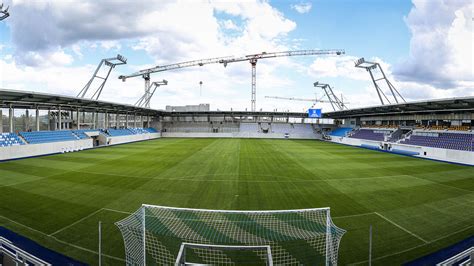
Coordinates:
(331, 245)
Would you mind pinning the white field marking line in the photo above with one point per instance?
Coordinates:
(412, 248)
(353, 215)
(61, 241)
(22, 182)
(32, 229)
(441, 184)
(113, 210)
(76, 222)
(188, 178)
(401, 227)
(333, 217)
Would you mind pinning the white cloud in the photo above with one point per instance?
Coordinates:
(340, 66)
(111, 45)
(363, 93)
(47, 58)
(169, 32)
(64, 80)
(76, 48)
(229, 25)
(441, 51)
(302, 7)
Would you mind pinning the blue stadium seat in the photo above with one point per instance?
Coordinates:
(453, 141)
(35, 137)
(340, 132)
(10, 139)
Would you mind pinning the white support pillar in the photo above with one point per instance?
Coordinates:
(78, 119)
(93, 119)
(26, 123)
(147, 121)
(71, 118)
(106, 120)
(135, 120)
(37, 120)
(117, 120)
(10, 117)
(141, 120)
(60, 118)
(126, 120)
(49, 119)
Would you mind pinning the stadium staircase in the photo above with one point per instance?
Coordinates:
(395, 135)
(81, 133)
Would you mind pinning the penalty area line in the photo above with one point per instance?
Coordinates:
(401, 227)
(76, 222)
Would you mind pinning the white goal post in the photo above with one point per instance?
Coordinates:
(159, 235)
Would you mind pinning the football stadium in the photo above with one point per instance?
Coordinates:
(90, 181)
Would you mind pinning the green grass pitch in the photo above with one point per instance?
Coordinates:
(415, 206)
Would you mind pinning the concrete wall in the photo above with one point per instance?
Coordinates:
(454, 156)
(132, 138)
(29, 150)
(238, 135)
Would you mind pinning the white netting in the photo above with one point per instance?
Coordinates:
(153, 235)
(192, 254)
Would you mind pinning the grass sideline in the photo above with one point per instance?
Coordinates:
(415, 206)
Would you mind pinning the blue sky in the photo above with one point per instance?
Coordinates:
(425, 47)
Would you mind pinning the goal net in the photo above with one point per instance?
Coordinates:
(157, 235)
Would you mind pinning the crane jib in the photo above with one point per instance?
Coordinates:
(229, 59)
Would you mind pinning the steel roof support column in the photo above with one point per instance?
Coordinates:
(135, 120)
(126, 120)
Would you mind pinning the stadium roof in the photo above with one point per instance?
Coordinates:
(464, 104)
(45, 101)
(236, 113)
